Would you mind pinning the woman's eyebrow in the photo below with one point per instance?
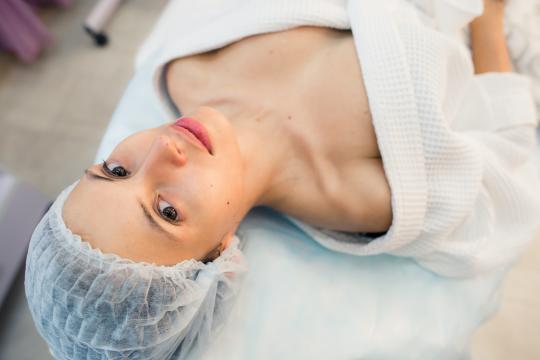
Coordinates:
(153, 223)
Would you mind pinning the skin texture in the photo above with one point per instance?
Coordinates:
(292, 83)
(273, 121)
(273, 136)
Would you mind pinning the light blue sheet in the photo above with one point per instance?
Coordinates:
(302, 301)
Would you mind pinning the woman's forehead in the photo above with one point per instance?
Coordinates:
(110, 217)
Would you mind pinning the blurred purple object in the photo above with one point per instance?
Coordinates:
(63, 3)
(21, 31)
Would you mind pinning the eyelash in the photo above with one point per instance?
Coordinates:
(106, 169)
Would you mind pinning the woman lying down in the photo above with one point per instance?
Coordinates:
(378, 135)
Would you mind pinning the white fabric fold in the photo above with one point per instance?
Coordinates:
(476, 136)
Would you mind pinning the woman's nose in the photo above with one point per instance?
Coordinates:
(163, 152)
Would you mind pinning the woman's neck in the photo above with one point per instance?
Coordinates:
(271, 161)
(262, 119)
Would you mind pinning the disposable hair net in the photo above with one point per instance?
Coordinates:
(90, 305)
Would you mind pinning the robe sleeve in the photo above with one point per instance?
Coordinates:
(497, 118)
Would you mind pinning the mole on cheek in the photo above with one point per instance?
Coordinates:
(227, 203)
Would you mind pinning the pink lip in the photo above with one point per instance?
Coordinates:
(194, 130)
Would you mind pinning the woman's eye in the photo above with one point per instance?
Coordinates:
(167, 211)
(115, 169)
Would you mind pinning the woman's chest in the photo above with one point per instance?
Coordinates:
(310, 75)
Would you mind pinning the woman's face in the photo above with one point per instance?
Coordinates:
(159, 198)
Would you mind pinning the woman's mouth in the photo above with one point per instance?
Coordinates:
(195, 128)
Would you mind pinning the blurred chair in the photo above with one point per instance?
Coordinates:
(21, 207)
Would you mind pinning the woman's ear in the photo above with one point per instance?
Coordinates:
(227, 240)
(216, 252)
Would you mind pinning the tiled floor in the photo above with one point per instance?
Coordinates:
(54, 112)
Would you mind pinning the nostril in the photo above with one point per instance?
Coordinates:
(172, 148)
(179, 153)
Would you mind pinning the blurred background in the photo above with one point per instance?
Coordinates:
(55, 104)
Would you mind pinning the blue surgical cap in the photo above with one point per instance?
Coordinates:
(91, 305)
